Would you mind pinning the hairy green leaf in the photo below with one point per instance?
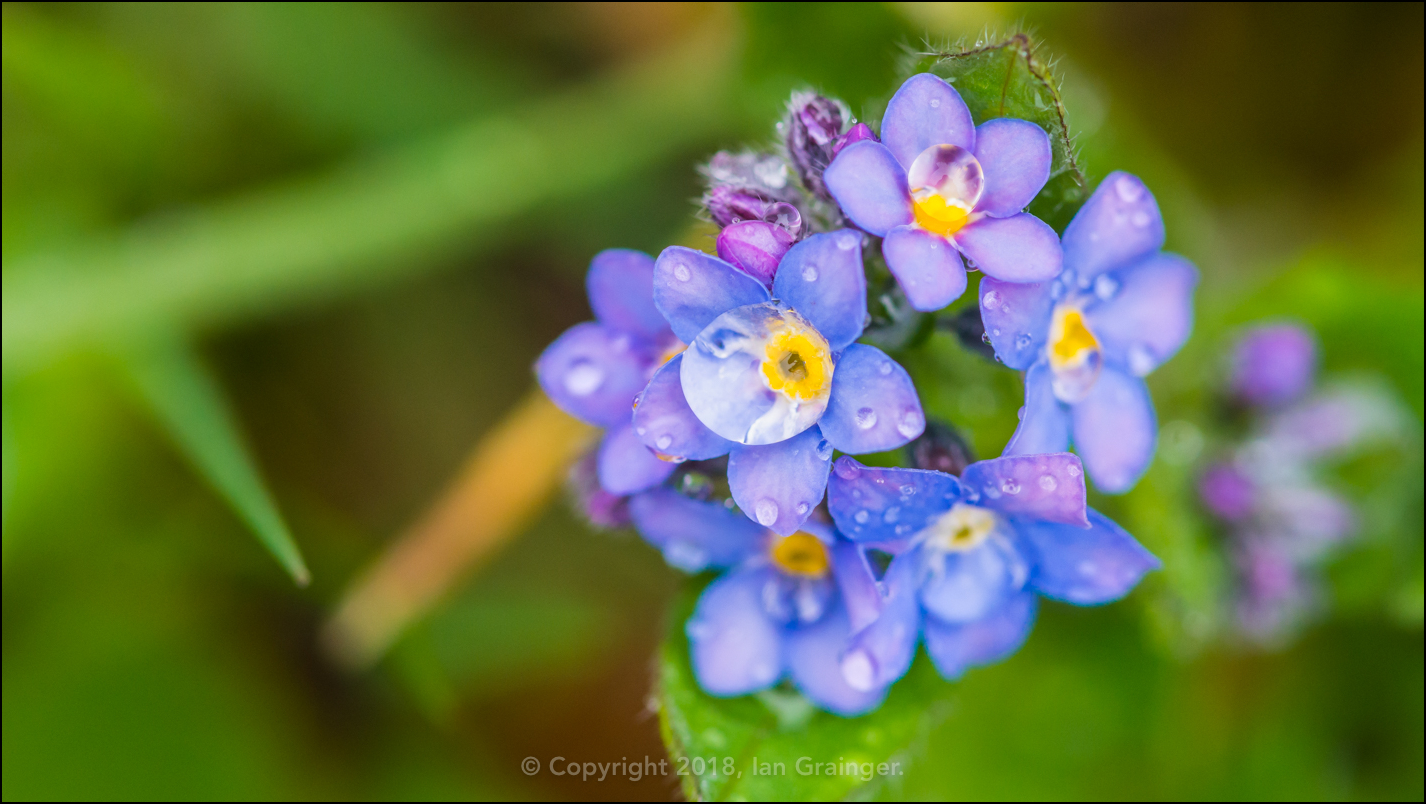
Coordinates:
(1008, 79)
(188, 403)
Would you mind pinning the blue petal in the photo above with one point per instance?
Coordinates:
(627, 466)
(694, 535)
(1020, 248)
(870, 187)
(814, 654)
(692, 288)
(1118, 225)
(856, 582)
(1017, 318)
(925, 111)
(823, 280)
(881, 653)
(621, 291)
(778, 485)
(1045, 422)
(965, 586)
(874, 406)
(883, 505)
(1115, 431)
(1148, 313)
(1085, 567)
(1042, 487)
(957, 648)
(593, 373)
(1015, 157)
(664, 421)
(927, 266)
(736, 649)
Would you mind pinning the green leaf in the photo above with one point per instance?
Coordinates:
(1008, 79)
(188, 403)
(753, 736)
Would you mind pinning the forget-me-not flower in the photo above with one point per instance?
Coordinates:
(1120, 308)
(937, 188)
(972, 555)
(775, 381)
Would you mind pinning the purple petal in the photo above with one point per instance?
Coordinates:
(1274, 364)
(694, 535)
(1015, 158)
(955, 649)
(1017, 319)
(855, 134)
(1115, 431)
(692, 288)
(881, 653)
(1085, 567)
(1045, 421)
(925, 111)
(620, 283)
(874, 406)
(926, 265)
(779, 484)
(736, 649)
(1148, 313)
(1118, 225)
(965, 586)
(1227, 493)
(593, 373)
(1042, 487)
(664, 421)
(883, 505)
(814, 654)
(870, 187)
(856, 582)
(627, 466)
(756, 247)
(823, 280)
(1020, 248)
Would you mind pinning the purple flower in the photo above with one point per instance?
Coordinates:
(938, 188)
(785, 608)
(1227, 492)
(1086, 339)
(972, 555)
(1273, 364)
(595, 369)
(775, 381)
(814, 127)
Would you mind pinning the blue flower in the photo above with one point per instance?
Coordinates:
(785, 607)
(774, 381)
(971, 556)
(938, 188)
(1086, 340)
(595, 369)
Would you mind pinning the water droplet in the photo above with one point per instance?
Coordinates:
(1048, 483)
(884, 368)
(809, 274)
(892, 514)
(861, 517)
(985, 337)
(902, 529)
(803, 508)
(1057, 289)
(907, 489)
(1140, 361)
(1129, 190)
(866, 418)
(1020, 414)
(824, 450)
(859, 671)
(641, 430)
(766, 512)
(1105, 286)
(935, 103)
(1073, 470)
(665, 441)
(848, 470)
(1140, 219)
(911, 424)
(583, 378)
(990, 300)
(681, 271)
(1010, 486)
(995, 333)
(846, 241)
(1022, 341)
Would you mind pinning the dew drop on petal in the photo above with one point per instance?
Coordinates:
(1105, 286)
(866, 418)
(681, 271)
(907, 489)
(1129, 190)
(910, 425)
(583, 378)
(1020, 414)
(846, 241)
(935, 103)
(1140, 219)
(824, 450)
(892, 514)
(1010, 487)
(995, 333)
(1022, 341)
(847, 470)
(861, 517)
(1048, 483)
(803, 508)
(664, 441)
(884, 368)
(990, 300)
(1140, 361)
(1073, 470)
(766, 512)
(809, 274)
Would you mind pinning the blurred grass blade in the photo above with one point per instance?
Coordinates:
(376, 217)
(186, 400)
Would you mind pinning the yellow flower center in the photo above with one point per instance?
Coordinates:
(961, 528)
(936, 214)
(1070, 340)
(798, 364)
(801, 554)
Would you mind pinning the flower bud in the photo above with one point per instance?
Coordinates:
(1273, 365)
(940, 448)
(857, 133)
(756, 247)
(814, 127)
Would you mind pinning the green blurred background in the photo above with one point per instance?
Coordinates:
(372, 218)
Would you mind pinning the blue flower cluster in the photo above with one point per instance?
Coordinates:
(728, 384)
